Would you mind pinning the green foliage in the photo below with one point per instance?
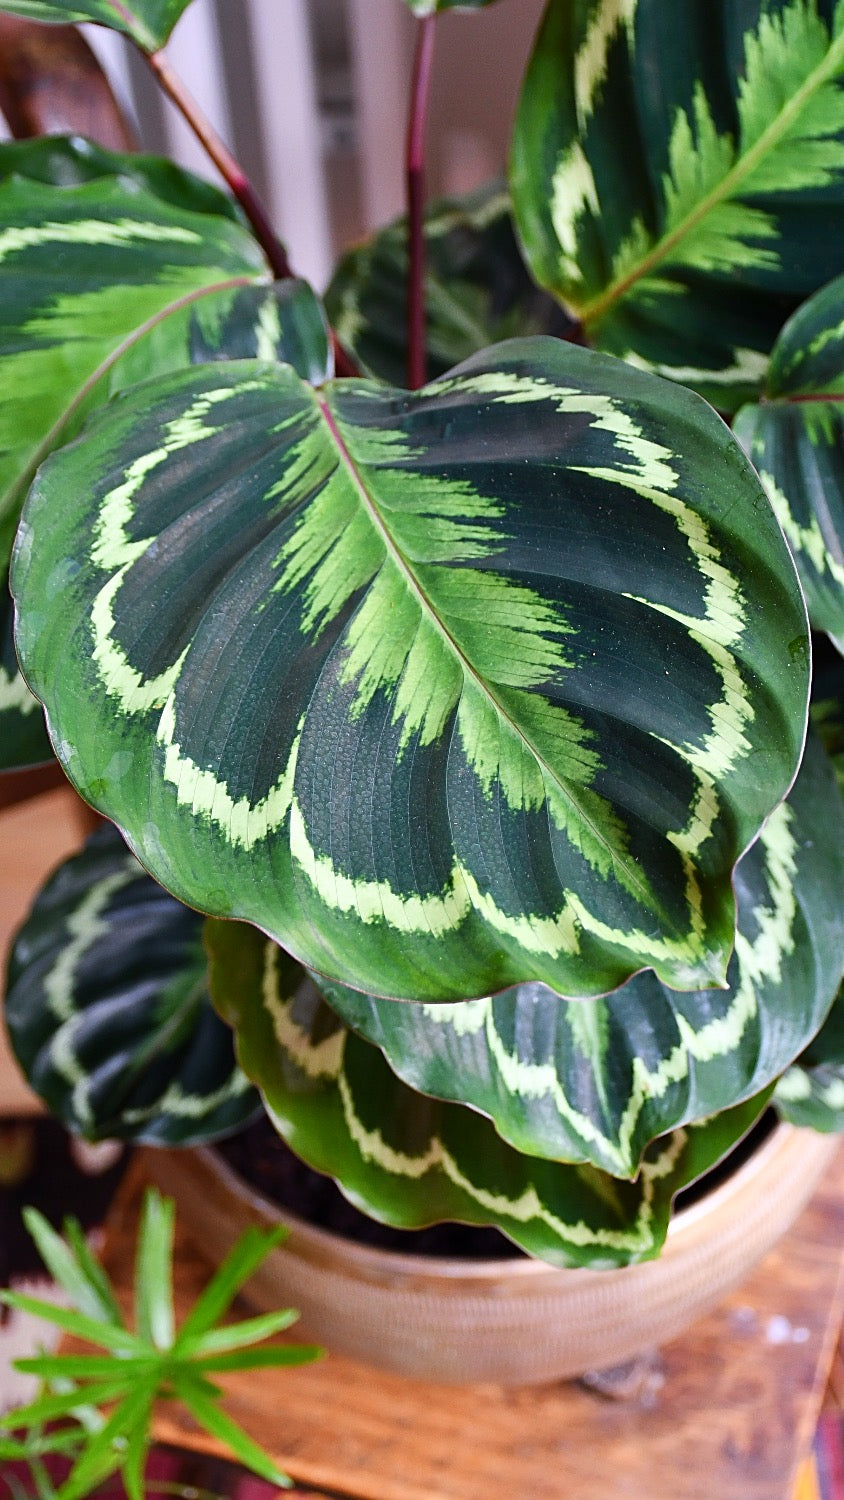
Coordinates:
(601, 1081)
(478, 290)
(795, 438)
(23, 737)
(548, 772)
(139, 1367)
(408, 1159)
(93, 260)
(108, 1012)
(678, 176)
(147, 22)
(494, 686)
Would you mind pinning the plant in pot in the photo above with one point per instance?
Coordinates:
(64, 1445)
(472, 714)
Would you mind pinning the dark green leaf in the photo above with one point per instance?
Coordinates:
(107, 1007)
(147, 22)
(678, 176)
(410, 1160)
(477, 289)
(85, 271)
(599, 1080)
(795, 438)
(23, 737)
(491, 682)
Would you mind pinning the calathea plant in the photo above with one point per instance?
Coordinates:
(488, 695)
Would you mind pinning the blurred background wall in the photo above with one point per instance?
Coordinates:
(312, 95)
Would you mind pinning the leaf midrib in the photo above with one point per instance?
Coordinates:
(404, 567)
(728, 187)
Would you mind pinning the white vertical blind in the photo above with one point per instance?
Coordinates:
(285, 84)
(194, 52)
(382, 41)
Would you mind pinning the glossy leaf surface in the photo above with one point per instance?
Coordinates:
(147, 22)
(108, 1012)
(23, 737)
(477, 289)
(410, 1160)
(85, 269)
(601, 1079)
(795, 438)
(678, 176)
(445, 691)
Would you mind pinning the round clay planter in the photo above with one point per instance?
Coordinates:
(512, 1322)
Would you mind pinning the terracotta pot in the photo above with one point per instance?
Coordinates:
(509, 1321)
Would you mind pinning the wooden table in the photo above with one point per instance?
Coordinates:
(726, 1412)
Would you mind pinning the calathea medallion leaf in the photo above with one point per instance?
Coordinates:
(795, 437)
(108, 1012)
(447, 690)
(85, 270)
(599, 1080)
(410, 1160)
(478, 290)
(811, 1093)
(23, 737)
(147, 22)
(678, 176)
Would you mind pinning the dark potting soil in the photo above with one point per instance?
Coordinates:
(260, 1157)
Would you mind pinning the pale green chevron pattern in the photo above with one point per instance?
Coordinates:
(147, 22)
(108, 1012)
(678, 176)
(541, 612)
(812, 1092)
(92, 261)
(795, 438)
(410, 1160)
(601, 1079)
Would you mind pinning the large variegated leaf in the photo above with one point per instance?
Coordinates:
(410, 1160)
(477, 289)
(599, 1080)
(23, 737)
(795, 437)
(678, 175)
(446, 690)
(108, 1012)
(147, 22)
(85, 270)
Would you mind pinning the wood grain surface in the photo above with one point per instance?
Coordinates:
(726, 1411)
